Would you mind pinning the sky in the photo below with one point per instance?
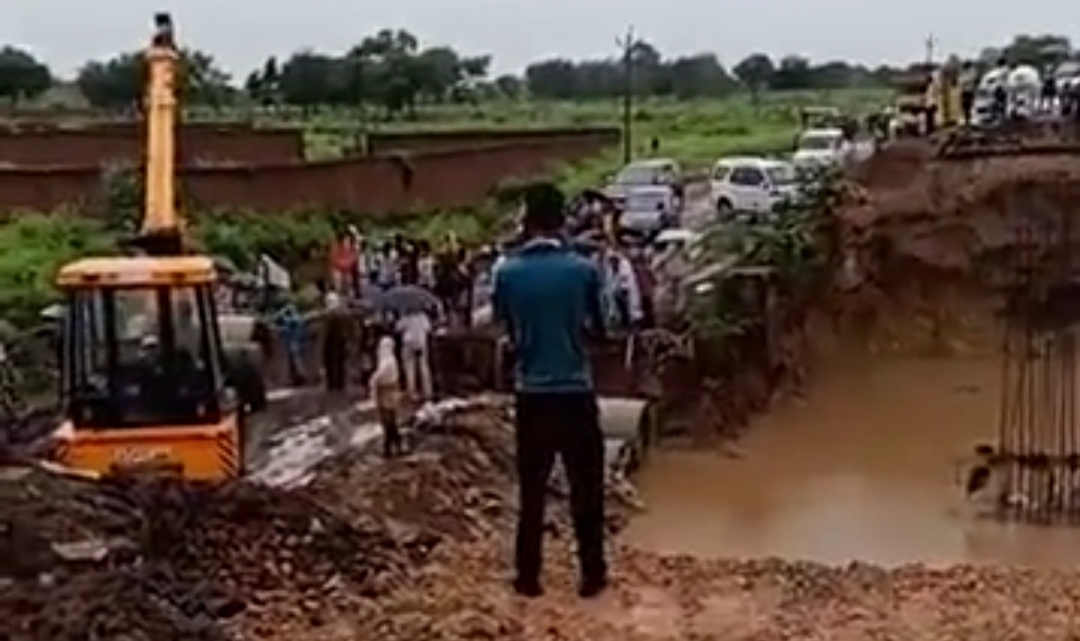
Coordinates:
(242, 33)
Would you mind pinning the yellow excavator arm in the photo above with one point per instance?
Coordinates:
(161, 221)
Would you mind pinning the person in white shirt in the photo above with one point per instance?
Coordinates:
(415, 329)
(385, 391)
(425, 265)
(624, 288)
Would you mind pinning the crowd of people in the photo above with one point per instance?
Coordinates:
(555, 280)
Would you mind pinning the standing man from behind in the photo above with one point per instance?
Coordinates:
(415, 331)
(336, 336)
(548, 296)
(969, 83)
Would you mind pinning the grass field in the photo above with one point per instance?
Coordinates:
(696, 132)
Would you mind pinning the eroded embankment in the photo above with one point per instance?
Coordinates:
(934, 241)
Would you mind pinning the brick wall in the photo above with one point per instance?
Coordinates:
(426, 141)
(38, 146)
(374, 185)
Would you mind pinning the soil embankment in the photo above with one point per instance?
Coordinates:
(933, 241)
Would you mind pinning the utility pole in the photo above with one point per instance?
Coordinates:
(627, 43)
(930, 43)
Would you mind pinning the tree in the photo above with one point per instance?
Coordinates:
(553, 79)
(793, 72)
(119, 83)
(202, 82)
(22, 76)
(509, 86)
(116, 83)
(263, 86)
(1043, 51)
(700, 75)
(756, 72)
(307, 80)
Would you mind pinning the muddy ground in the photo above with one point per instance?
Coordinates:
(417, 549)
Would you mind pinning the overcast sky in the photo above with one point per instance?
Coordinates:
(241, 33)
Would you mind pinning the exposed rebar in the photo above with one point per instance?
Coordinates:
(1037, 451)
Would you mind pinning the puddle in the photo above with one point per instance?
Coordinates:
(290, 456)
(864, 468)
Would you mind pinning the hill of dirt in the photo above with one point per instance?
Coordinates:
(936, 239)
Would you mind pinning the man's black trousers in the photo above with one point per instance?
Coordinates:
(567, 425)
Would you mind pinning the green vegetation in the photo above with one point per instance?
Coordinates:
(792, 246)
(37, 244)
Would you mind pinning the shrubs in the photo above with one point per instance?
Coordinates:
(33, 245)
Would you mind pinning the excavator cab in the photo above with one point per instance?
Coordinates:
(143, 378)
(143, 374)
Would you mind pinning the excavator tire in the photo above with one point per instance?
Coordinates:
(246, 377)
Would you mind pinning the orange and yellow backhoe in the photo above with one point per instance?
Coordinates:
(144, 378)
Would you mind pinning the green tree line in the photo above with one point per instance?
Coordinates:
(392, 71)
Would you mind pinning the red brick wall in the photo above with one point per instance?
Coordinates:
(372, 185)
(426, 141)
(36, 146)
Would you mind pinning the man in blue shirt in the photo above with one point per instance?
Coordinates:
(547, 296)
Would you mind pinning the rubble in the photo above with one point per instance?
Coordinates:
(203, 562)
(193, 554)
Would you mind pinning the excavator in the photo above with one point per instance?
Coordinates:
(143, 373)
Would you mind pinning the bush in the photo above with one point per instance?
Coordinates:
(35, 245)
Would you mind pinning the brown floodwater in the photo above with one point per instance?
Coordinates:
(866, 467)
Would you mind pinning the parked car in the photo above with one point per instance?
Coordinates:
(649, 209)
(751, 185)
(829, 147)
(647, 173)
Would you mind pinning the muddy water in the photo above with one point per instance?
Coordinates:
(865, 467)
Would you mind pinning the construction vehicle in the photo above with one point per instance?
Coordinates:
(144, 379)
(923, 91)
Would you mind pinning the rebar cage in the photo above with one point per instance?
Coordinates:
(1037, 457)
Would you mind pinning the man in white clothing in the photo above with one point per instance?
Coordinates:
(415, 328)
(624, 288)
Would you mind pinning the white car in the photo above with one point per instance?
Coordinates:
(646, 173)
(649, 209)
(828, 147)
(817, 147)
(751, 185)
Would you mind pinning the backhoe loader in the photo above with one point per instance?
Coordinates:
(144, 378)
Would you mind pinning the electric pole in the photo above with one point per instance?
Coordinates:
(628, 43)
(930, 43)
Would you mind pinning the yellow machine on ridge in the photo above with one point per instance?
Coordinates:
(144, 377)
